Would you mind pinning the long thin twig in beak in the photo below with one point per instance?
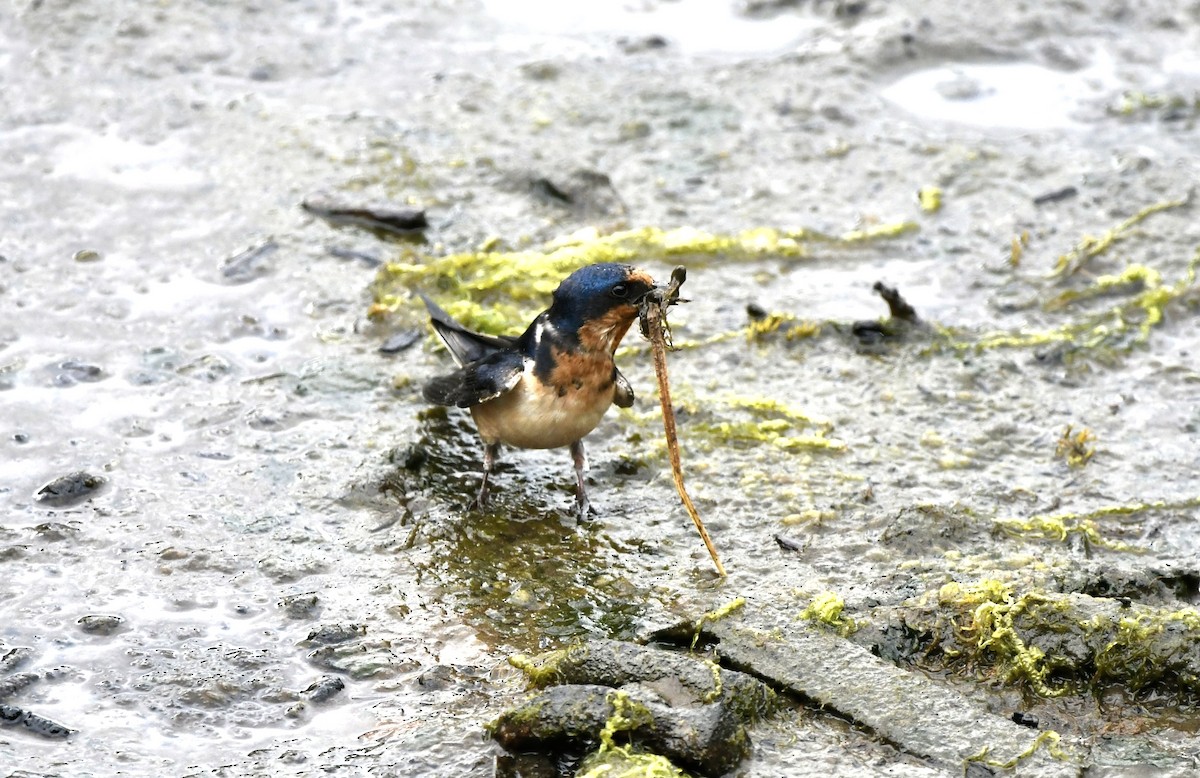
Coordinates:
(655, 328)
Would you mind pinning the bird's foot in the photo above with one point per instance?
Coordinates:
(584, 510)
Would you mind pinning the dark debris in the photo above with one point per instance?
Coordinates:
(251, 264)
(401, 221)
(400, 341)
(69, 489)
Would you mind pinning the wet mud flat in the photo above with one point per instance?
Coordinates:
(257, 561)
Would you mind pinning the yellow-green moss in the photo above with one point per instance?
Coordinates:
(542, 670)
(1048, 739)
(496, 291)
(930, 199)
(1060, 526)
(627, 715)
(625, 763)
(1017, 249)
(771, 422)
(613, 761)
(716, 615)
(826, 608)
(1135, 647)
(1090, 246)
(1133, 278)
(1135, 103)
(517, 717)
(1075, 447)
(1124, 325)
(993, 607)
(873, 233)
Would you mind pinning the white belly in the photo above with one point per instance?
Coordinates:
(527, 418)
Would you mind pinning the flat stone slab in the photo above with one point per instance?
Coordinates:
(906, 709)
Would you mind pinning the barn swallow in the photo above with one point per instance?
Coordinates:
(550, 386)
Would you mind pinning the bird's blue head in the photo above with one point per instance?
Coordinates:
(600, 300)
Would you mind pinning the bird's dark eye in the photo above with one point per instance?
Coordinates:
(620, 290)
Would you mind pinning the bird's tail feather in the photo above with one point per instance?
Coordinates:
(465, 345)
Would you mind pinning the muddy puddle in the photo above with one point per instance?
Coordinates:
(266, 567)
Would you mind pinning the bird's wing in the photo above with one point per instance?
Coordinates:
(465, 346)
(476, 382)
(623, 394)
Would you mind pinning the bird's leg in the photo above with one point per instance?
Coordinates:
(490, 450)
(582, 504)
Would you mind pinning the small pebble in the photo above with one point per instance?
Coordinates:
(329, 634)
(69, 489)
(100, 624)
(324, 688)
(300, 606)
(401, 341)
(12, 715)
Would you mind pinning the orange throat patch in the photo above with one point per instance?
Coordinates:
(604, 334)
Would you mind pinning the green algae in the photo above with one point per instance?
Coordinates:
(718, 687)
(771, 422)
(826, 608)
(760, 330)
(1091, 246)
(1144, 294)
(652, 719)
(1048, 739)
(1060, 526)
(494, 291)
(1119, 328)
(627, 715)
(1136, 104)
(577, 717)
(543, 669)
(745, 421)
(1075, 448)
(1122, 326)
(1017, 248)
(930, 199)
(991, 624)
(1133, 278)
(1101, 334)
(623, 762)
(875, 232)
(520, 716)
(498, 291)
(795, 329)
(1054, 645)
(1132, 645)
(714, 615)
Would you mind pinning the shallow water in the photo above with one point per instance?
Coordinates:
(692, 27)
(245, 422)
(1016, 95)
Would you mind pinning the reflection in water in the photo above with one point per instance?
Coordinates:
(1012, 95)
(523, 572)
